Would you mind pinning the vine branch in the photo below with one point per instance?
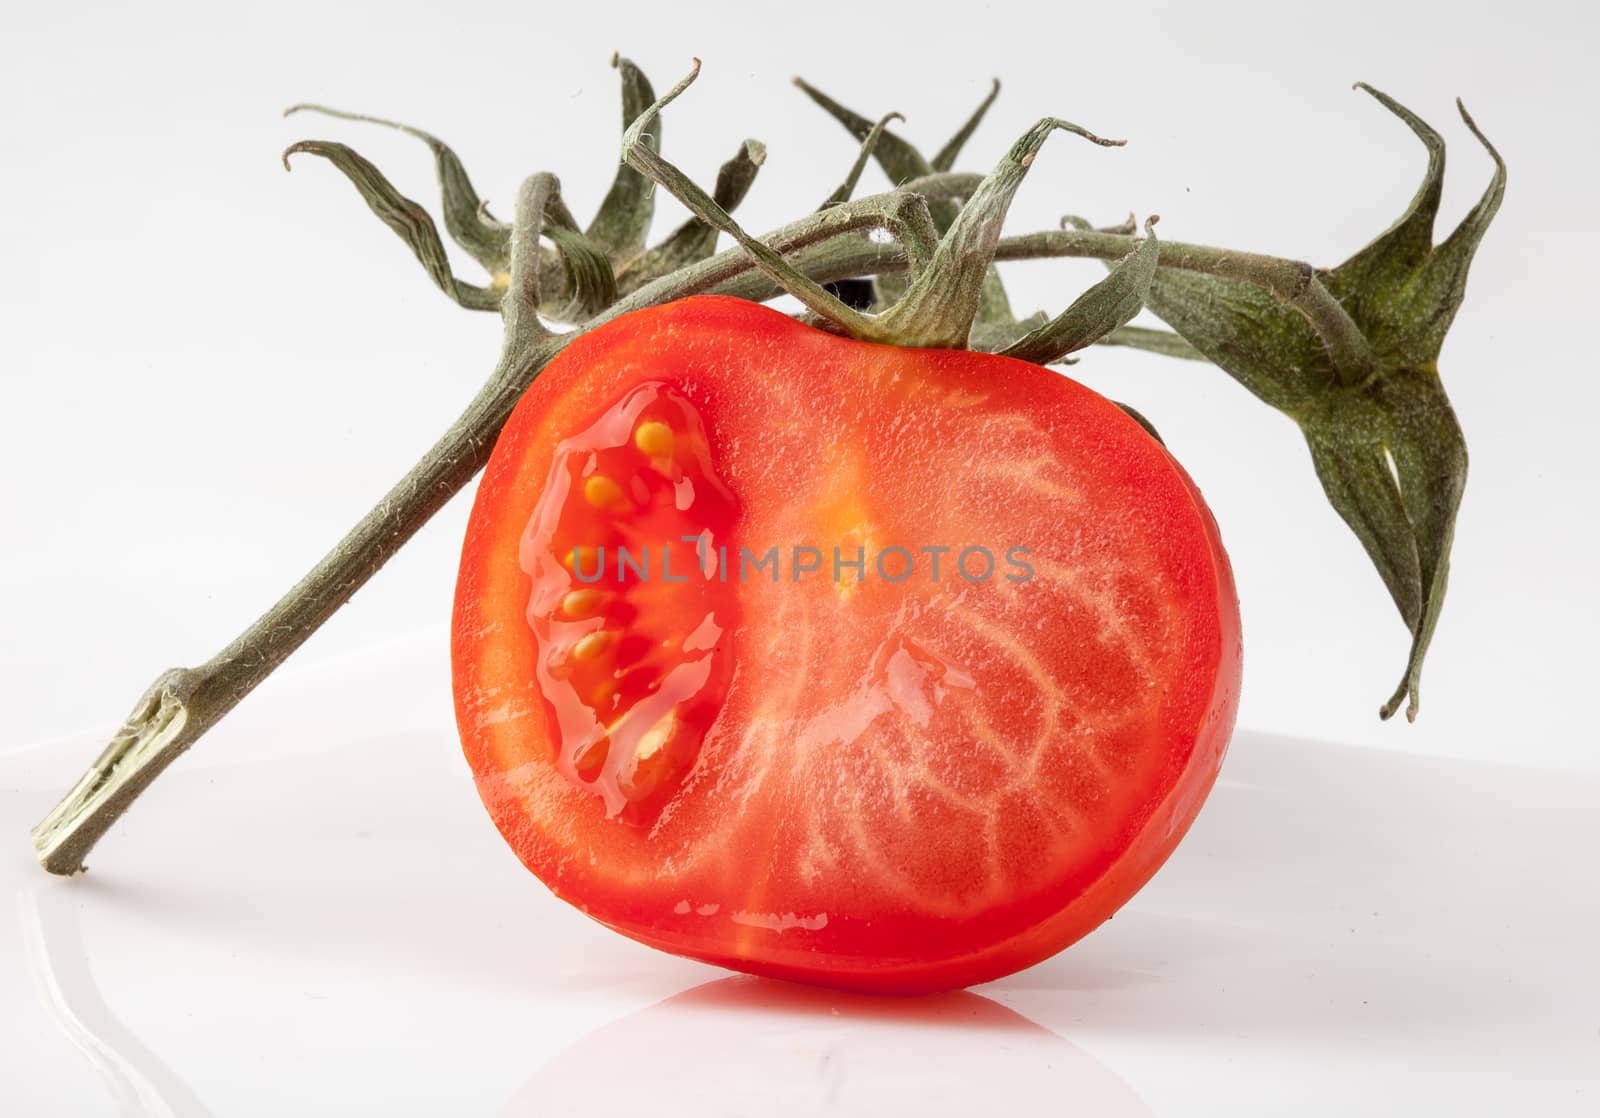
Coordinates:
(944, 231)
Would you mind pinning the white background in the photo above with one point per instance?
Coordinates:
(212, 368)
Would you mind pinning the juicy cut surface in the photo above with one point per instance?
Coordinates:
(776, 645)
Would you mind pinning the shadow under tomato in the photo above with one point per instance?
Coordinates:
(745, 1045)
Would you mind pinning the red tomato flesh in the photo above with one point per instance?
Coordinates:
(876, 668)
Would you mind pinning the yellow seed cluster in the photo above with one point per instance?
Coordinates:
(578, 604)
(592, 644)
(603, 492)
(654, 438)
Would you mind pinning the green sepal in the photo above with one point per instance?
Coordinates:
(409, 220)
(1107, 305)
(466, 218)
(947, 155)
(1393, 461)
(1402, 289)
(1388, 450)
(590, 285)
(1265, 346)
(843, 192)
(995, 335)
(622, 223)
(940, 307)
(902, 162)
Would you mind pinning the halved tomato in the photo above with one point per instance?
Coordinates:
(877, 668)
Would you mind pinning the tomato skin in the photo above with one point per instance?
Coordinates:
(742, 902)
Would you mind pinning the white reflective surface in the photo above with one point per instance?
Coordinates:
(311, 914)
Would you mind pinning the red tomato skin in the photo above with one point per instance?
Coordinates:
(499, 715)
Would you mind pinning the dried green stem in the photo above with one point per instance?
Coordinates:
(1292, 282)
(951, 297)
(640, 152)
(939, 307)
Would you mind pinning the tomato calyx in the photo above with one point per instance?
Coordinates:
(948, 270)
(1383, 437)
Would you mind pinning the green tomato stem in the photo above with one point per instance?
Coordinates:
(1293, 283)
(831, 245)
